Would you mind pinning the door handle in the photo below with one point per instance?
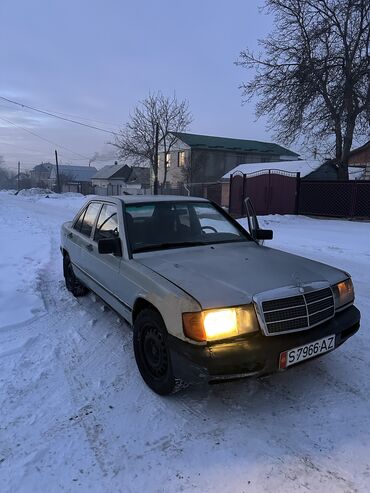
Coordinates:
(89, 247)
(69, 235)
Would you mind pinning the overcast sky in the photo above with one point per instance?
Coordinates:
(95, 59)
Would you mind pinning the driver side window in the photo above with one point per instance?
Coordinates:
(107, 225)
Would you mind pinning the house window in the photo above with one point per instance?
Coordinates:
(168, 159)
(181, 161)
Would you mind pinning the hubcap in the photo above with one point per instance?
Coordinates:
(155, 352)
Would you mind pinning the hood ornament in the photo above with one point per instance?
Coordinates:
(297, 281)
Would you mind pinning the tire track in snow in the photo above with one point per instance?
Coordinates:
(67, 351)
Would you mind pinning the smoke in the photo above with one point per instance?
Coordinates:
(104, 156)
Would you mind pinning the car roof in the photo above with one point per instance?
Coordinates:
(140, 199)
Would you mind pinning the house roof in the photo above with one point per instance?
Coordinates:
(43, 167)
(226, 143)
(124, 172)
(360, 149)
(304, 167)
(121, 170)
(140, 175)
(75, 173)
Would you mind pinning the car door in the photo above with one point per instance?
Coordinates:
(74, 239)
(84, 240)
(253, 224)
(104, 268)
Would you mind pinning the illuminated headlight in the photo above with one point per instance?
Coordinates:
(343, 293)
(213, 325)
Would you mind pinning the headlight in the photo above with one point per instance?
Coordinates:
(213, 325)
(343, 293)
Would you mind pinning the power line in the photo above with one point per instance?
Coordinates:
(41, 154)
(43, 138)
(79, 117)
(48, 113)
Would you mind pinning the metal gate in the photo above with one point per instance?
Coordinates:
(271, 192)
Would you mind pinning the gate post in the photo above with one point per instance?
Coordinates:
(243, 195)
(230, 188)
(297, 193)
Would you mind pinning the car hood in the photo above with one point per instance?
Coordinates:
(231, 274)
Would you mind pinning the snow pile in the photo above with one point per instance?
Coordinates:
(35, 192)
(10, 191)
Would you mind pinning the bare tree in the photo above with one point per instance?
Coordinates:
(313, 78)
(151, 125)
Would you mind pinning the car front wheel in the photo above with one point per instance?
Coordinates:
(151, 352)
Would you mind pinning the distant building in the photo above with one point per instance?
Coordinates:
(203, 158)
(40, 175)
(361, 157)
(72, 175)
(72, 178)
(118, 179)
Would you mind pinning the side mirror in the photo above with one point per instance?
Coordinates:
(110, 245)
(263, 234)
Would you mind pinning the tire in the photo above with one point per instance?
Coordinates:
(152, 354)
(72, 283)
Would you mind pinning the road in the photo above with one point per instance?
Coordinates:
(76, 416)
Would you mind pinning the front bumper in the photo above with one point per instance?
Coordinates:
(254, 355)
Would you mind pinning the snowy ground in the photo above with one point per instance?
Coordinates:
(76, 416)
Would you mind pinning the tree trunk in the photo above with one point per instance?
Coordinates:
(347, 144)
(155, 185)
(155, 164)
(338, 143)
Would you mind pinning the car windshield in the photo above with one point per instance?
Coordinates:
(162, 225)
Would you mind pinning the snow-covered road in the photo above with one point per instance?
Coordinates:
(76, 416)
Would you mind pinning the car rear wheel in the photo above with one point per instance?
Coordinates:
(152, 354)
(72, 283)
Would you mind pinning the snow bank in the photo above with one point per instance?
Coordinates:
(35, 192)
(27, 248)
(23, 251)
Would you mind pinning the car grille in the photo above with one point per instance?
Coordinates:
(298, 312)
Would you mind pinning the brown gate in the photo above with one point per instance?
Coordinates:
(271, 192)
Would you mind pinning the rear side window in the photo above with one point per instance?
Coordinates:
(107, 226)
(78, 223)
(90, 218)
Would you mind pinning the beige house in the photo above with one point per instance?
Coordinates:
(205, 159)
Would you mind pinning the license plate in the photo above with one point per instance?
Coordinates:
(307, 351)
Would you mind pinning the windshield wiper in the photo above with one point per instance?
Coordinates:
(163, 246)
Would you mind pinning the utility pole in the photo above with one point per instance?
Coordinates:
(57, 167)
(18, 177)
(155, 188)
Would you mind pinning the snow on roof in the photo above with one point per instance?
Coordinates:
(356, 173)
(302, 167)
(73, 172)
(108, 171)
